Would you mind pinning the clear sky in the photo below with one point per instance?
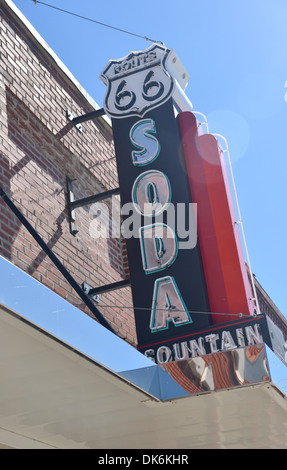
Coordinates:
(235, 53)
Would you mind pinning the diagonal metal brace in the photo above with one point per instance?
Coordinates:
(69, 278)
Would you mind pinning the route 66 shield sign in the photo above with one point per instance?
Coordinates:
(137, 83)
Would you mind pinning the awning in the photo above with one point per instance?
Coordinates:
(66, 382)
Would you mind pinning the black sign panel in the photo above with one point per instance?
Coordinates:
(166, 273)
(224, 337)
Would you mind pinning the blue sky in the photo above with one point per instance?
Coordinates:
(235, 53)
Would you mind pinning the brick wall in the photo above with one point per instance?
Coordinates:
(38, 150)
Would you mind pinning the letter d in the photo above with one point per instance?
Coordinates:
(158, 247)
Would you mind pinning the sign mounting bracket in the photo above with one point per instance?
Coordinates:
(76, 121)
(94, 293)
(72, 204)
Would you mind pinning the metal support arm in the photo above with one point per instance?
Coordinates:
(109, 287)
(95, 198)
(76, 121)
(73, 204)
(88, 116)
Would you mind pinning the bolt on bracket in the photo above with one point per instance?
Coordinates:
(71, 117)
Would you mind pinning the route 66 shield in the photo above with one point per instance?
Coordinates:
(137, 83)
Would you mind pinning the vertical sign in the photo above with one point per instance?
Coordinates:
(167, 279)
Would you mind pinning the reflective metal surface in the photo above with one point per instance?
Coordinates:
(37, 304)
(222, 370)
(42, 307)
(70, 384)
(52, 397)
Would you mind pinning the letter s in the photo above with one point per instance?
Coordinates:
(142, 138)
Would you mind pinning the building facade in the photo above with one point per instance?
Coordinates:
(39, 151)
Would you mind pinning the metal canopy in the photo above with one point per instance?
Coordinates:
(62, 386)
(53, 398)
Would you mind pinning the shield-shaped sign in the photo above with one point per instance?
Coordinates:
(137, 82)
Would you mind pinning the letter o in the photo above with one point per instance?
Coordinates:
(163, 354)
(151, 193)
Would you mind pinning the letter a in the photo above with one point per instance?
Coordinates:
(167, 305)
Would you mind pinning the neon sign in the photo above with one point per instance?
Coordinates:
(166, 273)
(183, 280)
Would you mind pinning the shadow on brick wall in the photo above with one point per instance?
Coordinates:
(41, 169)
